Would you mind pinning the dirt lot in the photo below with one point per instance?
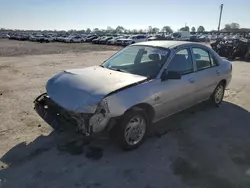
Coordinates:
(203, 147)
(12, 48)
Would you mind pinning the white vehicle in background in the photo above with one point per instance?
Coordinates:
(74, 38)
(134, 39)
(4, 36)
(212, 37)
(114, 40)
(181, 35)
(49, 38)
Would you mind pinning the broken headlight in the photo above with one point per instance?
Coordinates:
(102, 107)
(99, 120)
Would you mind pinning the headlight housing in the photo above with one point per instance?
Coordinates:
(102, 107)
(99, 120)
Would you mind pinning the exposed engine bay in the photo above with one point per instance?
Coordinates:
(59, 118)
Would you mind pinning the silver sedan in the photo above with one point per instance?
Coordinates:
(136, 87)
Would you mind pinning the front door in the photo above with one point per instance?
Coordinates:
(176, 95)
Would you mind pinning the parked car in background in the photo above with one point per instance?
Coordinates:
(90, 38)
(114, 40)
(157, 37)
(73, 38)
(49, 38)
(181, 35)
(4, 36)
(37, 38)
(120, 40)
(140, 85)
(105, 39)
(203, 38)
(134, 39)
(169, 37)
(97, 40)
(60, 38)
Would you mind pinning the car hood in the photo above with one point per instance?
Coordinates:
(80, 90)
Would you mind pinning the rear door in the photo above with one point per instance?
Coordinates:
(207, 73)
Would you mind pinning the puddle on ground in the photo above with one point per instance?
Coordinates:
(79, 147)
(94, 152)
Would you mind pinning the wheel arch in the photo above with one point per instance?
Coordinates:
(224, 82)
(144, 106)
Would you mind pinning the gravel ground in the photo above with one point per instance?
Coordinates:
(202, 147)
(12, 48)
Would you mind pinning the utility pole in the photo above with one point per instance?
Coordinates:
(221, 9)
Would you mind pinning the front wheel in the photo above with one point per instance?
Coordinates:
(218, 94)
(131, 131)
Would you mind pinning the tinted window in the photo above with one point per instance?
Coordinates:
(202, 58)
(181, 62)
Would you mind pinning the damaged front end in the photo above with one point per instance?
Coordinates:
(60, 118)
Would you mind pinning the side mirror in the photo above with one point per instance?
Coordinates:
(170, 75)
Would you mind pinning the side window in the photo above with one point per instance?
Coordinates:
(157, 56)
(202, 58)
(181, 62)
(214, 61)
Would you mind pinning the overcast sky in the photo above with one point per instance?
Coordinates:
(138, 14)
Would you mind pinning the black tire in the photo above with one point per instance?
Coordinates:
(118, 132)
(213, 99)
(71, 41)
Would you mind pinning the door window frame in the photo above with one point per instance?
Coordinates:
(209, 55)
(191, 56)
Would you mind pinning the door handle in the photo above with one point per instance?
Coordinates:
(218, 72)
(191, 80)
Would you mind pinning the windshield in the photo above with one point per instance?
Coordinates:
(141, 60)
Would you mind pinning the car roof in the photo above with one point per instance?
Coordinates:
(167, 44)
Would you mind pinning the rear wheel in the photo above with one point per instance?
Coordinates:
(218, 94)
(131, 131)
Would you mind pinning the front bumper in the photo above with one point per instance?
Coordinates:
(59, 118)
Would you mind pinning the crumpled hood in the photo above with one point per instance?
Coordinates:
(80, 90)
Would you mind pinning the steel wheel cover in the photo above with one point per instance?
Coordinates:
(135, 130)
(218, 96)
